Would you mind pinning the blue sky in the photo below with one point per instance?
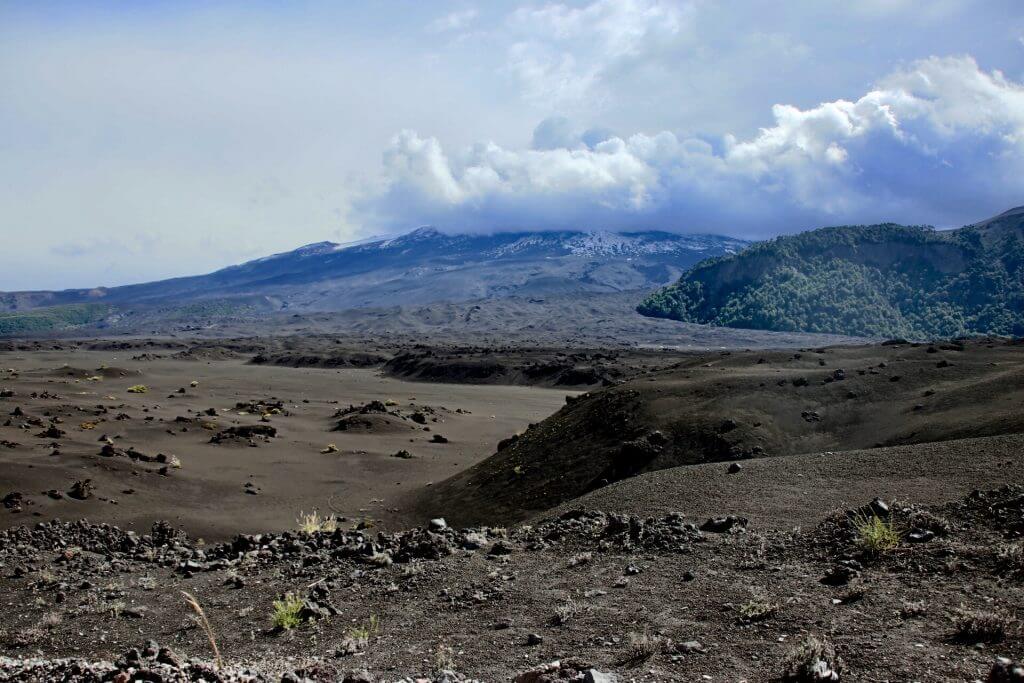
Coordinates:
(147, 140)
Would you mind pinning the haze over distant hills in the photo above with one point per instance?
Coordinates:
(878, 280)
(422, 267)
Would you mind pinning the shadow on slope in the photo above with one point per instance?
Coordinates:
(733, 406)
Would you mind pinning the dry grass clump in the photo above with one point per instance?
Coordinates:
(1010, 560)
(580, 558)
(913, 609)
(974, 626)
(138, 389)
(380, 559)
(642, 646)
(567, 612)
(444, 658)
(411, 570)
(312, 523)
(812, 660)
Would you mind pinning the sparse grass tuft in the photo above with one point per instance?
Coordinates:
(138, 389)
(286, 612)
(876, 535)
(812, 660)
(567, 612)
(580, 558)
(913, 609)
(642, 646)
(312, 523)
(444, 658)
(204, 623)
(363, 632)
(1010, 560)
(973, 626)
(380, 560)
(411, 570)
(757, 608)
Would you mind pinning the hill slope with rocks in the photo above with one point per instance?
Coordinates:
(874, 281)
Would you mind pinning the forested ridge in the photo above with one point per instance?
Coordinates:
(883, 280)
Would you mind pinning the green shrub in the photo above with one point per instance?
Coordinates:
(876, 535)
(286, 612)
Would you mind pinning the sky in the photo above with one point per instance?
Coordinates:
(144, 140)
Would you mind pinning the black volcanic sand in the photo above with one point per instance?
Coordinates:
(582, 320)
(208, 494)
(735, 406)
(602, 565)
(587, 586)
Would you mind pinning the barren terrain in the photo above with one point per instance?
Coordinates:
(650, 515)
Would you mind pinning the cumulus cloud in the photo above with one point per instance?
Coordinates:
(930, 141)
(565, 55)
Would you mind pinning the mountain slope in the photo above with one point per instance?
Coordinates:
(879, 280)
(424, 266)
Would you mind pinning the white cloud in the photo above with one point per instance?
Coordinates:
(454, 21)
(565, 55)
(926, 142)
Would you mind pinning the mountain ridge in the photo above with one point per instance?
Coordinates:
(885, 280)
(423, 266)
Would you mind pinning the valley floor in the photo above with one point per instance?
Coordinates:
(695, 572)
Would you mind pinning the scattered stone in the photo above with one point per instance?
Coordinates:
(734, 468)
(81, 490)
(1006, 671)
(501, 548)
(840, 575)
(244, 432)
(689, 647)
(13, 501)
(721, 525)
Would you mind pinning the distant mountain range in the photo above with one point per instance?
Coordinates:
(422, 267)
(879, 280)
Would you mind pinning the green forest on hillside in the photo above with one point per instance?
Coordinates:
(876, 281)
(49, 319)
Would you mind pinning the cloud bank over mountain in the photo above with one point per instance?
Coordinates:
(927, 140)
(177, 138)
